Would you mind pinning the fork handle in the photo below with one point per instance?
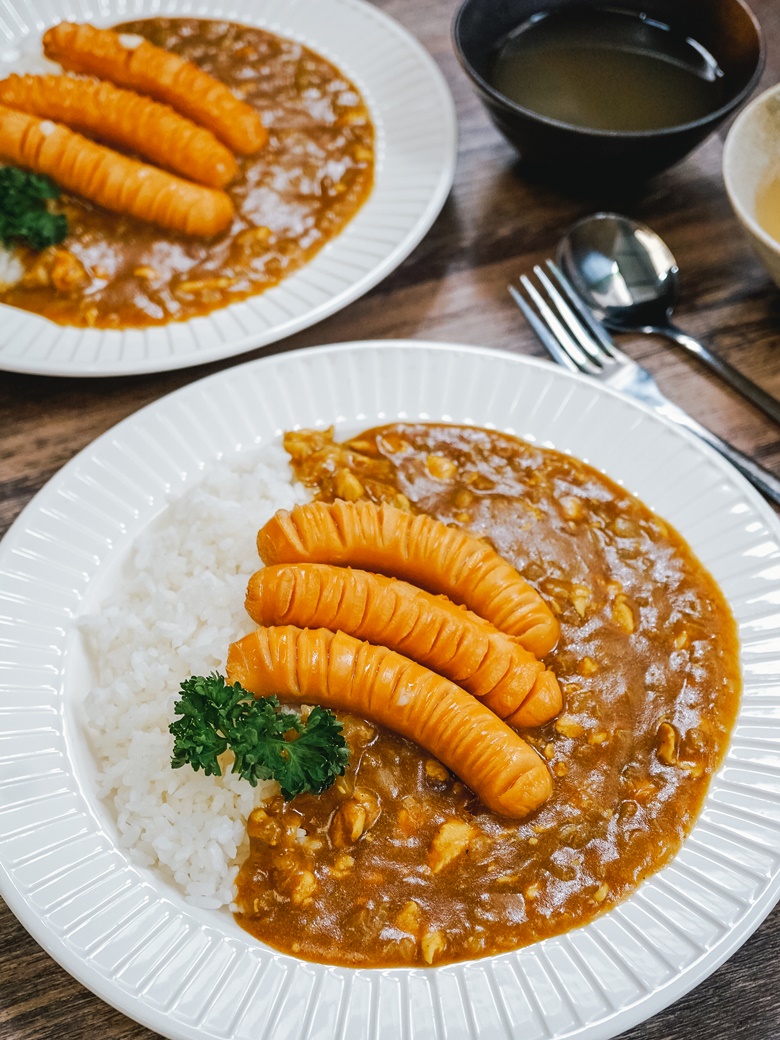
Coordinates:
(766, 482)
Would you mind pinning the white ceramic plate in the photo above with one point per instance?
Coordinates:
(193, 973)
(416, 148)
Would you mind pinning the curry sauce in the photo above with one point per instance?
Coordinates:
(399, 863)
(291, 198)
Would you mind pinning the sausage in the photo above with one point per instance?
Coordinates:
(135, 63)
(125, 119)
(110, 179)
(316, 666)
(418, 549)
(428, 629)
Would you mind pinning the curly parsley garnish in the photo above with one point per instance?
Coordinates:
(267, 743)
(24, 216)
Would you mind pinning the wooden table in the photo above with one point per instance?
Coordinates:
(495, 225)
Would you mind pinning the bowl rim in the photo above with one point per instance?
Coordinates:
(729, 147)
(702, 122)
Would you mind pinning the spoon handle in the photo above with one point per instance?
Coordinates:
(760, 398)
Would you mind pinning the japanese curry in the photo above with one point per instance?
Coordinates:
(399, 863)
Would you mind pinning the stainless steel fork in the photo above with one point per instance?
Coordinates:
(578, 342)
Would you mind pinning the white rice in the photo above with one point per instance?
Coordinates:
(177, 611)
(11, 269)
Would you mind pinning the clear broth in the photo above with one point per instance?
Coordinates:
(607, 70)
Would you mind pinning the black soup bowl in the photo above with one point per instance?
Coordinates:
(726, 29)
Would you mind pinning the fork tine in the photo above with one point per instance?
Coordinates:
(549, 341)
(569, 345)
(600, 334)
(573, 323)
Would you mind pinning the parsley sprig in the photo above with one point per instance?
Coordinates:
(266, 742)
(24, 216)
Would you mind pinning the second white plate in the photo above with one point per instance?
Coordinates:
(416, 149)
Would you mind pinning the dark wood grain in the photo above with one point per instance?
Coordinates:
(495, 225)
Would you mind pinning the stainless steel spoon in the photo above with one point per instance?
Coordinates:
(628, 277)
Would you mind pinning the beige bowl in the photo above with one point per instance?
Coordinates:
(750, 158)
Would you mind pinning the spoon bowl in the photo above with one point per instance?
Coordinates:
(629, 278)
(623, 270)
